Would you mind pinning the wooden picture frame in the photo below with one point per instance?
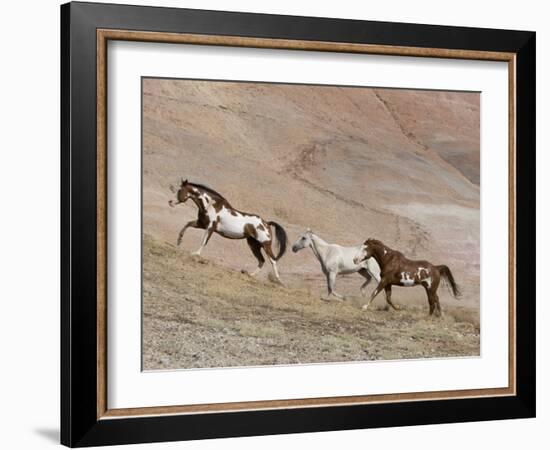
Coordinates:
(86, 418)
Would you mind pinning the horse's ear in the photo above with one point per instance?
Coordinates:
(308, 230)
(183, 183)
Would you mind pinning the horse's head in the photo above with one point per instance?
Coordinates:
(183, 193)
(303, 241)
(365, 252)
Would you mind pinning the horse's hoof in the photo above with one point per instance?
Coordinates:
(365, 307)
(198, 258)
(274, 278)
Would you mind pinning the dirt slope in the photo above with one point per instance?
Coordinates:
(198, 314)
(349, 163)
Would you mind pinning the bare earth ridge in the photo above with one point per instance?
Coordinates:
(401, 166)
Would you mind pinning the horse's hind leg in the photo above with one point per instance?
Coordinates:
(430, 297)
(387, 288)
(433, 299)
(435, 286)
(435, 307)
(256, 248)
(205, 238)
(190, 224)
(368, 279)
(269, 252)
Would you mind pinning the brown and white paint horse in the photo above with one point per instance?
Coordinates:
(397, 270)
(217, 215)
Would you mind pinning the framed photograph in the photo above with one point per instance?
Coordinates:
(277, 224)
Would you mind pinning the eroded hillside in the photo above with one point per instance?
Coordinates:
(401, 166)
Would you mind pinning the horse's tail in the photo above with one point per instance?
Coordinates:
(448, 276)
(282, 238)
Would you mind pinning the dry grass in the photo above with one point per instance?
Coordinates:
(198, 314)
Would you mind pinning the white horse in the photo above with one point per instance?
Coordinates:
(335, 260)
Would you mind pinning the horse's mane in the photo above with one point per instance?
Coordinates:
(207, 189)
(378, 243)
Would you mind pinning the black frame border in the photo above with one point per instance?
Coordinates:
(79, 423)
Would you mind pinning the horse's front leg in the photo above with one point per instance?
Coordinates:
(387, 288)
(368, 278)
(192, 224)
(331, 281)
(205, 238)
(379, 288)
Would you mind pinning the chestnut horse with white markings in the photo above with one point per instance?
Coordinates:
(217, 215)
(397, 270)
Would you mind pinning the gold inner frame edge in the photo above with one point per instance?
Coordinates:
(103, 36)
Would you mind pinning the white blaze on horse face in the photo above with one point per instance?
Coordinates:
(406, 279)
